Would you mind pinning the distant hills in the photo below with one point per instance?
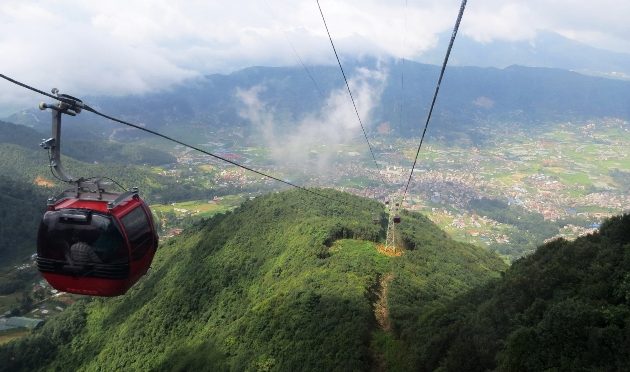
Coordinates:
(546, 49)
(468, 96)
(91, 149)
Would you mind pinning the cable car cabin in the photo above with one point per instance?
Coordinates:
(396, 219)
(376, 219)
(97, 244)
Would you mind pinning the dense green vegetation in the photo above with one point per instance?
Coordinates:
(49, 338)
(514, 215)
(564, 308)
(287, 281)
(22, 206)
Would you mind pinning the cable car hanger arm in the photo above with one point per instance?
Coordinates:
(67, 105)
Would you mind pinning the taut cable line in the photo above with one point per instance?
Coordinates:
(85, 107)
(437, 89)
(356, 111)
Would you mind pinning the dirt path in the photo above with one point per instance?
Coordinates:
(381, 310)
(41, 181)
(381, 315)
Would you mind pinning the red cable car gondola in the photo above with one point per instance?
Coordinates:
(96, 247)
(396, 219)
(90, 241)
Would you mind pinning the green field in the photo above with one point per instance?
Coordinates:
(201, 208)
(12, 334)
(8, 302)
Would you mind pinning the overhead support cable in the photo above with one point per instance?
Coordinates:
(437, 89)
(356, 111)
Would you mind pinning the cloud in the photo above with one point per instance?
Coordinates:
(508, 21)
(137, 46)
(315, 138)
(48, 48)
(600, 24)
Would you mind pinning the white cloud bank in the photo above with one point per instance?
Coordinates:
(134, 46)
(334, 124)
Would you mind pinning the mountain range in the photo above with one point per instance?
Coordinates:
(546, 49)
(289, 95)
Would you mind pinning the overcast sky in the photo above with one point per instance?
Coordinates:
(127, 46)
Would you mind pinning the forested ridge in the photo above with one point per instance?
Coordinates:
(287, 281)
(564, 308)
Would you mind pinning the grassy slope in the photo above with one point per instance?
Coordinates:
(269, 286)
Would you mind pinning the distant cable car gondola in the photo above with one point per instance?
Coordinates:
(91, 241)
(396, 219)
(376, 219)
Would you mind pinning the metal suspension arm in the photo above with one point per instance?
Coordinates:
(70, 106)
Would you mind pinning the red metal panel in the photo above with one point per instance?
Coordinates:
(88, 286)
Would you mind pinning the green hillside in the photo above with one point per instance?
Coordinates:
(85, 148)
(30, 165)
(22, 166)
(287, 281)
(564, 308)
(22, 206)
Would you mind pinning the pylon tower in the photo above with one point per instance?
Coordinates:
(390, 240)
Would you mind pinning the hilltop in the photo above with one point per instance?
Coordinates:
(287, 281)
